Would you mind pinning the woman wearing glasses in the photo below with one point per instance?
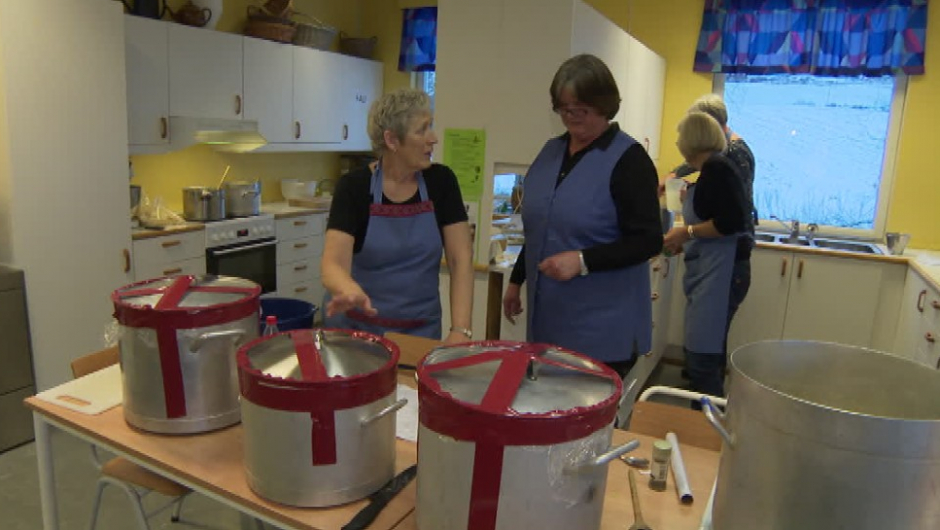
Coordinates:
(592, 222)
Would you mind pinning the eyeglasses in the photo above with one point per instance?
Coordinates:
(572, 112)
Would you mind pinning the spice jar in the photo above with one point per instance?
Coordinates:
(659, 466)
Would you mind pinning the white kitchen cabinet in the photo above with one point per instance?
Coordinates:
(170, 255)
(205, 73)
(362, 81)
(269, 88)
(318, 111)
(146, 45)
(642, 95)
(919, 322)
(802, 296)
(299, 248)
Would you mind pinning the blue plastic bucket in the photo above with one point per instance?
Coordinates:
(290, 312)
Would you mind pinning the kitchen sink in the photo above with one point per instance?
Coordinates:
(851, 246)
(766, 238)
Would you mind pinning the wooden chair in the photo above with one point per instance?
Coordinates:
(132, 479)
(690, 426)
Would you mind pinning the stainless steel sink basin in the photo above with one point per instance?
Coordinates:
(766, 238)
(850, 246)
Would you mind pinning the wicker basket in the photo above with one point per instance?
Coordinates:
(357, 47)
(314, 34)
(269, 27)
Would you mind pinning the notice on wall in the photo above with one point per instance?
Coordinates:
(465, 154)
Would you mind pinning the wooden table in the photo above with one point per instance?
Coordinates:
(212, 464)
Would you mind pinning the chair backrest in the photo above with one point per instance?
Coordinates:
(95, 361)
(690, 426)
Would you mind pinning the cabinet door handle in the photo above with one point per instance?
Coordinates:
(646, 143)
(666, 268)
(783, 268)
(345, 131)
(799, 270)
(168, 244)
(300, 223)
(168, 272)
(127, 259)
(921, 299)
(164, 128)
(656, 267)
(930, 338)
(935, 304)
(299, 268)
(655, 296)
(297, 130)
(300, 245)
(238, 104)
(300, 289)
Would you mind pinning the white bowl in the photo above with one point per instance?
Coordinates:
(292, 188)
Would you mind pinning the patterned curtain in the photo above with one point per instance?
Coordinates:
(418, 51)
(819, 37)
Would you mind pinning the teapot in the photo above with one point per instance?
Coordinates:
(191, 15)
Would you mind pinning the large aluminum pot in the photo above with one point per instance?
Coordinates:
(178, 343)
(243, 199)
(201, 203)
(824, 436)
(318, 415)
(514, 435)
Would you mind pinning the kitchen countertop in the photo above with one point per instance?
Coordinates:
(148, 233)
(282, 210)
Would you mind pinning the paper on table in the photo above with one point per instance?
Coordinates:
(91, 394)
(407, 422)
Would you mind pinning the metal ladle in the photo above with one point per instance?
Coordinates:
(639, 523)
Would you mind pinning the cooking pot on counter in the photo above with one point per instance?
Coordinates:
(201, 203)
(824, 436)
(318, 415)
(178, 342)
(243, 199)
(514, 435)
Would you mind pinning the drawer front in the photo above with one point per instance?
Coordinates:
(147, 271)
(16, 419)
(301, 227)
(310, 291)
(298, 271)
(169, 249)
(299, 249)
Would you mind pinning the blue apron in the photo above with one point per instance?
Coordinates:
(606, 314)
(707, 282)
(398, 267)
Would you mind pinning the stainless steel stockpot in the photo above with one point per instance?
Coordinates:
(514, 435)
(178, 343)
(318, 415)
(242, 199)
(201, 203)
(821, 436)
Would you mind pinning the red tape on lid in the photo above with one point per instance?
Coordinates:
(317, 393)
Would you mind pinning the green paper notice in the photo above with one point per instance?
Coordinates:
(465, 153)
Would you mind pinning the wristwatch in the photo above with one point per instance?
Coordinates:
(584, 269)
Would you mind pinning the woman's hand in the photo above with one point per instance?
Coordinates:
(512, 304)
(562, 266)
(673, 240)
(352, 299)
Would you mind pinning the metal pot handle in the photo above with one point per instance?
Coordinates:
(205, 337)
(602, 459)
(715, 416)
(382, 413)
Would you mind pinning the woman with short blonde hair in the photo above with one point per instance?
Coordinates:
(714, 210)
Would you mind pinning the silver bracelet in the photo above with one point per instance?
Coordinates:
(465, 331)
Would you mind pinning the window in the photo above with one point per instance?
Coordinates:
(507, 193)
(424, 81)
(824, 146)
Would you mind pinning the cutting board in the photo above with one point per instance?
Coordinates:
(91, 394)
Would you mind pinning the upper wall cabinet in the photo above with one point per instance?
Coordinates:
(148, 90)
(269, 91)
(362, 82)
(317, 94)
(205, 73)
(642, 94)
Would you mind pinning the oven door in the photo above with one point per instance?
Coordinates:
(255, 261)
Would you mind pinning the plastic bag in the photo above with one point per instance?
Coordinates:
(153, 214)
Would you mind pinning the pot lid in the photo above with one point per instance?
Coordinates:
(186, 292)
(319, 355)
(513, 379)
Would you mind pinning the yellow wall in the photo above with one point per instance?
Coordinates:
(382, 18)
(165, 175)
(671, 28)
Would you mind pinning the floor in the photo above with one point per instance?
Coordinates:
(76, 478)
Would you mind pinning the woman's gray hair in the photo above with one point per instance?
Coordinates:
(714, 106)
(591, 82)
(700, 133)
(394, 112)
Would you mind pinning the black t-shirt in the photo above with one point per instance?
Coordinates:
(720, 195)
(353, 194)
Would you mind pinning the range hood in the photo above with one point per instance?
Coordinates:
(226, 135)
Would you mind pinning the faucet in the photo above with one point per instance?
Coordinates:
(811, 230)
(793, 227)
